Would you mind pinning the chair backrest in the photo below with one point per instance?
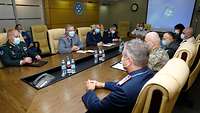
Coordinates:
(54, 35)
(39, 33)
(160, 93)
(198, 38)
(123, 28)
(82, 33)
(3, 40)
(187, 52)
(195, 69)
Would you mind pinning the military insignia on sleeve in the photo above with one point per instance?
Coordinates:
(25, 48)
(1, 52)
(13, 53)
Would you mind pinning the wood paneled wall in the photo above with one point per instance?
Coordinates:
(58, 13)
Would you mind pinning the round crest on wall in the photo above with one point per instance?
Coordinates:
(134, 7)
(78, 8)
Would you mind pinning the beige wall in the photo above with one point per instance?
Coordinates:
(120, 11)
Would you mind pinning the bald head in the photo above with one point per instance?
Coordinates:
(188, 32)
(11, 33)
(153, 40)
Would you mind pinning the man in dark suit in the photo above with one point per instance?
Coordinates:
(110, 35)
(94, 37)
(169, 43)
(125, 92)
(15, 52)
(178, 29)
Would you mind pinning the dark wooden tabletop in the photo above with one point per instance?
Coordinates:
(62, 97)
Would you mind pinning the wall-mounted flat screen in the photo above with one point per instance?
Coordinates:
(163, 15)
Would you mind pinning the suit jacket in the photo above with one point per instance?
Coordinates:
(122, 98)
(92, 39)
(171, 48)
(11, 54)
(108, 36)
(65, 44)
(178, 38)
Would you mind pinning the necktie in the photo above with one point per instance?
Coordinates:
(71, 42)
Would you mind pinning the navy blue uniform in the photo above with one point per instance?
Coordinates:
(122, 98)
(92, 38)
(108, 36)
(28, 40)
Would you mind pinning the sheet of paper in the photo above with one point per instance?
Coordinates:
(81, 51)
(85, 51)
(90, 51)
(108, 45)
(118, 66)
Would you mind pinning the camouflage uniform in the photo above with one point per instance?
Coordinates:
(157, 59)
(11, 54)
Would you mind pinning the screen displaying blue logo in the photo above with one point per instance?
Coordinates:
(78, 8)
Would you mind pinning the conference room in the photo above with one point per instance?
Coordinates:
(99, 56)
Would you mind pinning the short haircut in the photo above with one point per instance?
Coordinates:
(181, 27)
(68, 26)
(115, 25)
(10, 32)
(138, 51)
(171, 34)
(17, 25)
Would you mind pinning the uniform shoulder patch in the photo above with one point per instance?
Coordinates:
(1, 51)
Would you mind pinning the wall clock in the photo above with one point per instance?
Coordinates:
(134, 7)
(78, 8)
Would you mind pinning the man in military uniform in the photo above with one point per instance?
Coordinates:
(70, 41)
(94, 37)
(158, 57)
(187, 35)
(15, 52)
(125, 92)
(110, 35)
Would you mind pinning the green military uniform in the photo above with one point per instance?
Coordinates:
(11, 54)
(157, 59)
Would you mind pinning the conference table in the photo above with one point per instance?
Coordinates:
(64, 96)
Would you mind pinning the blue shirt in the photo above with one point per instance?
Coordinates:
(65, 44)
(122, 98)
